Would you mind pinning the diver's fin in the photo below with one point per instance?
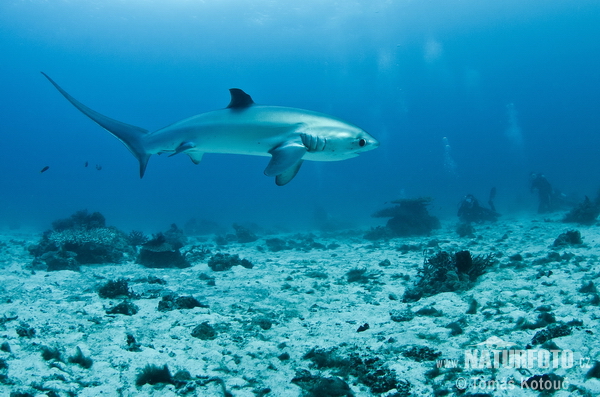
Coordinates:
(131, 136)
(284, 157)
(288, 174)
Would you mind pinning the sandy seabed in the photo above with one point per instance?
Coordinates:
(296, 316)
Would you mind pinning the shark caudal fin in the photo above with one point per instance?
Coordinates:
(131, 136)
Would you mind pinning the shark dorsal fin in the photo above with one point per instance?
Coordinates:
(239, 99)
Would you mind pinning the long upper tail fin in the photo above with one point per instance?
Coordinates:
(130, 135)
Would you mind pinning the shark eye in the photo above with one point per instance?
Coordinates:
(362, 142)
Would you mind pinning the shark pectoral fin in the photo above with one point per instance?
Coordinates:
(196, 157)
(183, 147)
(288, 174)
(284, 157)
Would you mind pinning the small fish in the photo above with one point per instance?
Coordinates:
(98, 167)
(86, 164)
(44, 169)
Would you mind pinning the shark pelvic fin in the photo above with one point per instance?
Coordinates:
(131, 136)
(183, 147)
(239, 99)
(284, 156)
(196, 157)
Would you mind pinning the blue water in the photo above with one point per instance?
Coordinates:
(514, 86)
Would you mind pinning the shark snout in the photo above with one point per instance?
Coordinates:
(367, 143)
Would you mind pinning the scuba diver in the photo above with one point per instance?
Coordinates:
(469, 209)
(545, 192)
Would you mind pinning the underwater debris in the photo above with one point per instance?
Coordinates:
(421, 353)
(594, 371)
(360, 275)
(363, 328)
(155, 280)
(132, 344)
(318, 386)
(4, 372)
(221, 262)
(24, 330)
(444, 272)
(210, 281)
(153, 374)
(264, 322)
(204, 331)
(115, 289)
(277, 244)
(455, 327)
(516, 257)
(570, 237)
(5, 319)
(371, 371)
(316, 274)
(473, 305)
(552, 331)
(400, 316)
(429, 311)
(408, 218)
(306, 243)
(159, 252)
(262, 391)
(51, 353)
(585, 213)
(80, 359)
(126, 307)
(543, 319)
(587, 288)
(173, 302)
(243, 234)
(385, 263)
(5, 347)
(22, 394)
